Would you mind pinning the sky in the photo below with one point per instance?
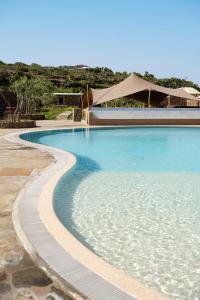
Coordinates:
(158, 36)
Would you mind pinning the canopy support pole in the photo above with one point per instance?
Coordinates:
(149, 97)
(169, 101)
(81, 107)
(88, 102)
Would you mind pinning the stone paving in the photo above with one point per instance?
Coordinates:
(20, 278)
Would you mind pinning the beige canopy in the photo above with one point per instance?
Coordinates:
(143, 90)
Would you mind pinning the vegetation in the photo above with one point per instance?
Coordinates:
(34, 84)
(32, 94)
(172, 82)
(123, 102)
(63, 78)
(51, 112)
(76, 78)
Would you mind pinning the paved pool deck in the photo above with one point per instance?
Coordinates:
(20, 278)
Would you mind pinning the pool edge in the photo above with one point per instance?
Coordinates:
(121, 284)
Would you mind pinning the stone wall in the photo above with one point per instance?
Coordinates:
(22, 124)
(33, 117)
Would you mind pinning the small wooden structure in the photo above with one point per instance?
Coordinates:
(69, 99)
(9, 111)
(180, 102)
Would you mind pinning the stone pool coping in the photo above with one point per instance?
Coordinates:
(55, 248)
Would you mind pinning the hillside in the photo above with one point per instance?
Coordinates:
(76, 78)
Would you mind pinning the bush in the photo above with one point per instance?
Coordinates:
(53, 111)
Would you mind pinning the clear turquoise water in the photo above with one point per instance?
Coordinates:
(133, 198)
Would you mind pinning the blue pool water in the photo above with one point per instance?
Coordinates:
(133, 198)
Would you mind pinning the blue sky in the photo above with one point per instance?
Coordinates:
(159, 36)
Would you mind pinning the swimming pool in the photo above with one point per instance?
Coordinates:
(133, 199)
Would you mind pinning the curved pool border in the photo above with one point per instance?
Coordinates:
(55, 249)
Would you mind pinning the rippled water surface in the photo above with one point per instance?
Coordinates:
(133, 198)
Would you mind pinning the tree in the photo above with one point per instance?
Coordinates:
(19, 88)
(5, 78)
(149, 77)
(32, 94)
(42, 93)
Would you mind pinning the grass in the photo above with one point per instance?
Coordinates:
(53, 111)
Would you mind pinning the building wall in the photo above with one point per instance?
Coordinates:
(70, 100)
(179, 102)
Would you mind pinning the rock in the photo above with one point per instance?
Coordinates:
(13, 258)
(57, 294)
(3, 274)
(25, 262)
(30, 277)
(64, 116)
(25, 294)
(6, 297)
(5, 213)
(4, 288)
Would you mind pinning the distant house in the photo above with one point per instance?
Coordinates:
(79, 67)
(70, 99)
(83, 68)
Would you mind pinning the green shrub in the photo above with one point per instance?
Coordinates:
(53, 111)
